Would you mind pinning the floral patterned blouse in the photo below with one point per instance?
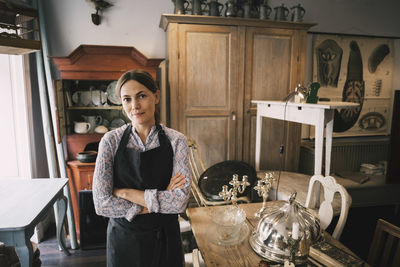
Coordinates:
(170, 201)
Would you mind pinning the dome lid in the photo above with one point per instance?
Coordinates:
(271, 237)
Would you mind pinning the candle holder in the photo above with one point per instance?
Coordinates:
(293, 246)
(237, 187)
(263, 186)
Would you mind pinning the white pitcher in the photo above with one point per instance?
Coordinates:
(94, 121)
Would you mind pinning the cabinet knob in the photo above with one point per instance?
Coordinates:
(233, 116)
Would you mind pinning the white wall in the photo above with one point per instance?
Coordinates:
(127, 23)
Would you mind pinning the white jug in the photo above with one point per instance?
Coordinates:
(94, 121)
(81, 127)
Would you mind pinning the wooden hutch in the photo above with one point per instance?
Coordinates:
(95, 67)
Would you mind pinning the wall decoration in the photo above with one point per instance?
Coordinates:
(356, 69)
(329, 57)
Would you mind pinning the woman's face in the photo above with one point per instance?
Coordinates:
(139, 103)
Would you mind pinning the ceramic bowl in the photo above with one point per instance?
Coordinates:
(87, 156)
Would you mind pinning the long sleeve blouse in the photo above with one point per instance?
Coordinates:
(168, 201)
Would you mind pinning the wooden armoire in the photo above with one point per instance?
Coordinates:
(217, 65)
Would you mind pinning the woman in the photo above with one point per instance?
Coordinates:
(142, 181)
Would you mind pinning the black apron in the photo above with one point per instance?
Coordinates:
(150, 240)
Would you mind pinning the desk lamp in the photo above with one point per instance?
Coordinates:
(299, 94)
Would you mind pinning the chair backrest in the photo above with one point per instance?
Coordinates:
(197, 167)
(325, 211)
(385, 246)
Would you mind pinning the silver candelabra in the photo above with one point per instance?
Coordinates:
(237, 187)
(263, 186)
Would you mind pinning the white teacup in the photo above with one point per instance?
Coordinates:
(81, 127)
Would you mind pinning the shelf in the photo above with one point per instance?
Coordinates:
(95, 108)
(18, 46)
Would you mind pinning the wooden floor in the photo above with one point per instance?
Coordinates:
(50, 255)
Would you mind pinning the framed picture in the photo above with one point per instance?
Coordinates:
(356, 69)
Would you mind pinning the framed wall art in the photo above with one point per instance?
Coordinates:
(356, 69)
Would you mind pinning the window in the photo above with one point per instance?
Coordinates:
(15, 119)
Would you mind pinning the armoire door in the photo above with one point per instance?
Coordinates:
(274, 66)
(208, 97)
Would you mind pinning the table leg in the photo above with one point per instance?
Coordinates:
(319, 143)
(23, 247)
(258, 140)
(329, 115)
(62, 210)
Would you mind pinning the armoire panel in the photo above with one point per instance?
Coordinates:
(210, 133)
(271, 72)
(272, 57)
(207, 70)
(271, 141)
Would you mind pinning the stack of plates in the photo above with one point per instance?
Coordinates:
(112, 94)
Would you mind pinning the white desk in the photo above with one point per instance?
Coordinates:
(23, 204)
(319, 115)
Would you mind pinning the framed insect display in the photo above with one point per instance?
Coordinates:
(352, 68)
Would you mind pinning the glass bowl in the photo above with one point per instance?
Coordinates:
(228, 222)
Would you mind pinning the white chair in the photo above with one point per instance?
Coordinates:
(325, 212)
(194, 259)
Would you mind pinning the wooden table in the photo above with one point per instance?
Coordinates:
(238, 255)
(23, 204)
(319, 115)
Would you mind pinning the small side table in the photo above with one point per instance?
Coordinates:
(24, 203)
(319, 115)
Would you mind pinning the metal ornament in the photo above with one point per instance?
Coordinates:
(238, 186)
(99, 5)
(263, 186)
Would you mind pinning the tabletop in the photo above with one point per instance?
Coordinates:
(23, 200)
(237, 255)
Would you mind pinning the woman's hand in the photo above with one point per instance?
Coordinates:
(132, 195)
(119, 192)
(177, 181)
(144, 211)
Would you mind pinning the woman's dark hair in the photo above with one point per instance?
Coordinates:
(142, 77)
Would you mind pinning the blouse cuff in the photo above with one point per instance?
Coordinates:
(150, 197)
(133, 211)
